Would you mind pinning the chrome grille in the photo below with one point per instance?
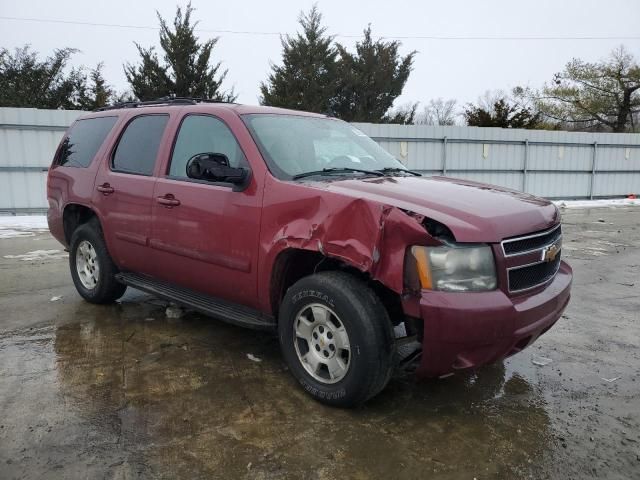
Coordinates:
(529, 276)
(529, 243)
(547, 244)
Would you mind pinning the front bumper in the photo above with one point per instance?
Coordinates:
(467, 330)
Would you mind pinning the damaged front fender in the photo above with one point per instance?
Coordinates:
(367, 235)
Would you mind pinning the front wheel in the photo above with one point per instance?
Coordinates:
(337, 338)
(92, 269)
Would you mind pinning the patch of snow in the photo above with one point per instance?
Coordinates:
(56, 298)
(10, 233)
(610, 380)
(613, 202)
(39, 255)
(173, 311)
(541, 361)
(400, 330)
(22, 225)
(253, 358)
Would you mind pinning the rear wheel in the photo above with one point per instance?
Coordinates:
(337, 338)
(92, 269)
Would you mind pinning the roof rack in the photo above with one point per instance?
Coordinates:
(168, 100)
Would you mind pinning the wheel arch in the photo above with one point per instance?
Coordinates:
(293, 264)
(74, 215)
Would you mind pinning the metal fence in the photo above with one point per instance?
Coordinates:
(552, 164)
(549, 164)
(28, 140)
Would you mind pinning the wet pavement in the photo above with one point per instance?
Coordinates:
(124, 391)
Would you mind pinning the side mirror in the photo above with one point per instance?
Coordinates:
(214, 167)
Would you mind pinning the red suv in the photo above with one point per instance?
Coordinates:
(299, 223)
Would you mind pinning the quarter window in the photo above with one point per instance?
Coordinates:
(83, 141)
(203, 134)
(138, 147)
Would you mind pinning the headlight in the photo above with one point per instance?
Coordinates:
(454, 268)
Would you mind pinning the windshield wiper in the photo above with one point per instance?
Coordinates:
(397, 169)
(330, 171)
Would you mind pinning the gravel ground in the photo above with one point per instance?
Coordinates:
(127, 391)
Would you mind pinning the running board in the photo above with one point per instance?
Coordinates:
(206, 304)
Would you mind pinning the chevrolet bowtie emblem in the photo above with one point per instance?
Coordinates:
(549, 254)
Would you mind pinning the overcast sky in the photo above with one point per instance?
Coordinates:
(462, 68)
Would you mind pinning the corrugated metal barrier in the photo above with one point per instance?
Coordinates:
(28, 140)
(549, 164)
(552, 164)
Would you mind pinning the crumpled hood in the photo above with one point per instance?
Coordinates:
(474, 212)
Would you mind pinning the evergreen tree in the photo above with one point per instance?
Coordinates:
(98, 93)
(370, 80)
(604, 95)
(123, 97)
(149, 79)
(186, 69)
(306, 80)
(26, 81)
(403, 115)
(500, 112)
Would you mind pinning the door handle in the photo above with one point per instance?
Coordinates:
(105, 189)
(168, 201)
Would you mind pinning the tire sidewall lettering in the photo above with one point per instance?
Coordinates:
(314, 294)
(328, 395)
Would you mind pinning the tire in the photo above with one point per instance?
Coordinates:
(96, 283)
(324, 304)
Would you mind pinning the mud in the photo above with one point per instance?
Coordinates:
(123, 391)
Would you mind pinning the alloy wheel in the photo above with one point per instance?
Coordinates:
(322, 343)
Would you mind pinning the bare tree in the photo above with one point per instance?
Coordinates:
(438, 112)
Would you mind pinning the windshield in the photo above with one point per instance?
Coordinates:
(294, 145)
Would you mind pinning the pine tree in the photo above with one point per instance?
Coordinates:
(149, 79)
(26, 81)
(604, 95)
(371, 79)
(306, 80)
(502, 113)
(98, 93)
(186, 69)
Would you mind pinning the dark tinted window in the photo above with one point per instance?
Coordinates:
(138, 147)
(84, 140)
(203, 134)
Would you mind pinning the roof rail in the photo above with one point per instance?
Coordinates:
(168, 100)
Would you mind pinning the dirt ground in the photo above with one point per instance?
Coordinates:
(123, 391)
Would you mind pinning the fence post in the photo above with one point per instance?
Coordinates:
(524, 166)
(593, 168)
(444, 156)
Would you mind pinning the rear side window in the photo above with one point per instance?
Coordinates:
(138, 147)
(83, 141)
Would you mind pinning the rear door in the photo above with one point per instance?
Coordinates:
(124, 191)
(73, 170)
(205, 234)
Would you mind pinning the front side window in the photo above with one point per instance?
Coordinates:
(83, 141)
(138, 147)
(294, 145)
(203, 134)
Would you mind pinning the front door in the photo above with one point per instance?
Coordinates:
(124, 192)
(205, 234)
